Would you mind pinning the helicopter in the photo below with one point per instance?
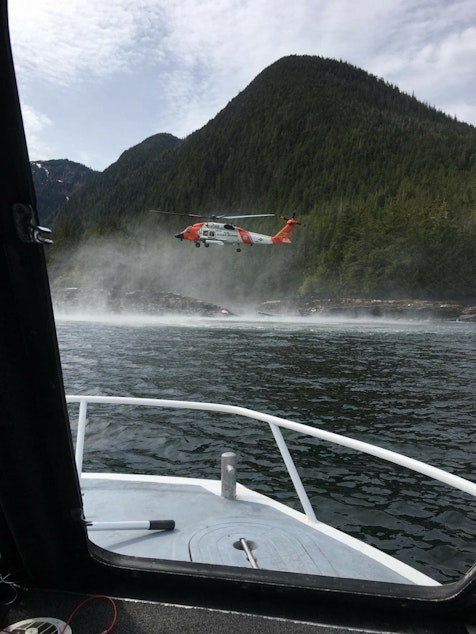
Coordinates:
(210, 230)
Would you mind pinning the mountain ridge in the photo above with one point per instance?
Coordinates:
(385, 184)
(56, 180)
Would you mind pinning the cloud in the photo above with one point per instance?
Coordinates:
(64, 42)
(161, 66)
(432, 53)
(35, 123)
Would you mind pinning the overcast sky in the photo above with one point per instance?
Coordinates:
(99, 76)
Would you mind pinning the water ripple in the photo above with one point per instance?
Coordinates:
(406, 387)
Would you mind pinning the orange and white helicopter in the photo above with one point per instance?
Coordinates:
(209, 231)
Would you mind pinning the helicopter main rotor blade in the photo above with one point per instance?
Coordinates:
(243, 216)
(210, 217)
(175, 213)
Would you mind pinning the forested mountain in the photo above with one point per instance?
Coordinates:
(55, 181)
(385, 185)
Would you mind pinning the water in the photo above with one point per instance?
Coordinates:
(406, 386)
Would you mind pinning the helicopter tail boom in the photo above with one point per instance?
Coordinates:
(283, 235)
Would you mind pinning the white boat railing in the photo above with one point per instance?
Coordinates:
(275, 423)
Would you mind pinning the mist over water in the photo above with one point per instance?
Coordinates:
(406, 386)
(150, 259)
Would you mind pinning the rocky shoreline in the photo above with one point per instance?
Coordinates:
(391, 308)
(141, 301)
(159, 302)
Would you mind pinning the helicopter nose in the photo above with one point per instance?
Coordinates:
(179, 235)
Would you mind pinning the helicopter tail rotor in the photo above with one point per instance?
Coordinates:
(293, 219)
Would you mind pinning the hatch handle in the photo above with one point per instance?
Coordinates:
(249, 553)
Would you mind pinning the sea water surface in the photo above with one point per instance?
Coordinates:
(407, 386)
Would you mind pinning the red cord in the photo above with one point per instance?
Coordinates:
(78, 607)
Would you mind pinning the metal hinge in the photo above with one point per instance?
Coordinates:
(27, 230)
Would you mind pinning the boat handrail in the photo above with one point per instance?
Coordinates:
(275, 423)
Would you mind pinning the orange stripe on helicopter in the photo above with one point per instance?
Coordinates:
(245, 236)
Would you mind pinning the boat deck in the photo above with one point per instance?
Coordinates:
(208, 529)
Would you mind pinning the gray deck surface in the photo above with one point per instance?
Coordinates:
(209, 527)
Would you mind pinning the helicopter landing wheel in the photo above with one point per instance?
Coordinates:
(207, 245)
(197, 244)
(238, 250)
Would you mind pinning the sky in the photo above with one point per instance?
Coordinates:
(97, 77)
